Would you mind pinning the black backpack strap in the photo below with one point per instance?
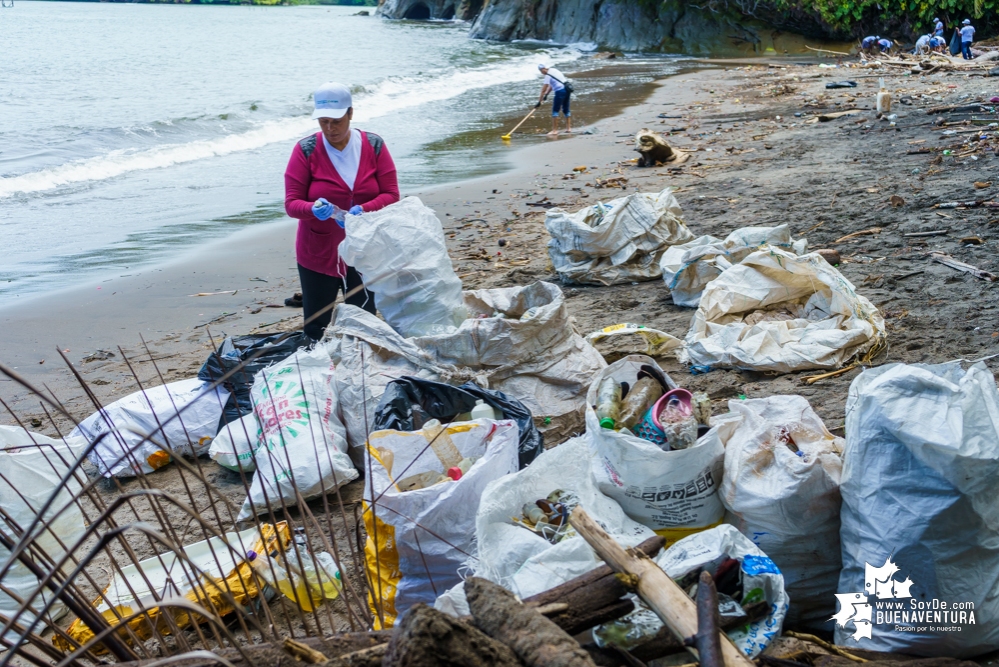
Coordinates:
(308, 145)
(376, 142)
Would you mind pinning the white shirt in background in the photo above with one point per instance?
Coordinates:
(346, 161)
(551, 77)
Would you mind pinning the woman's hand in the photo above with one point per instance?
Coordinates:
(322, 209)
(356, 210)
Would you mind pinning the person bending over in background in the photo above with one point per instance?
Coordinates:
(884, 45)
(869, 44)
(967, 37)
(343, 168)
(555, 82)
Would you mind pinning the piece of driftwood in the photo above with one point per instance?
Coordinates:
(592, 598)
(424, 635)
(708, 637)
(947, 260)
(303, 652)
(863, 232)
(654, 586)
(833, 115)
(535, 640)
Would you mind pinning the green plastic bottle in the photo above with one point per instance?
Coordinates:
(608, 402)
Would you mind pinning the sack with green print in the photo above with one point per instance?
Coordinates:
(302, 445)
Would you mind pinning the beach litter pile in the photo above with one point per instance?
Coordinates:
(524, 501)
(619, 241)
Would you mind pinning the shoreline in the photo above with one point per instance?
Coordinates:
(155, 305)
(757, 160)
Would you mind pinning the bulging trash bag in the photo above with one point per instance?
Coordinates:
(520, 559)
(235, 443)
(443, 402)
(401, 254)
(144, 430)
(759, 579)
(688, 267)
(620, 241)
(255, 352)
(920, 519)
(781, 488)
(777, 311)
(303, 445)
(32, 468)
(675, 493)
(417, 540)
(523, 345)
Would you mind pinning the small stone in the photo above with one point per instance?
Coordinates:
(501, 243)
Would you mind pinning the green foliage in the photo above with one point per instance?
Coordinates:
(842, 14)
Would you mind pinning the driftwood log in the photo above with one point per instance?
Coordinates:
(592, 598)
(654, 586)
(424, 635)
(534, 639)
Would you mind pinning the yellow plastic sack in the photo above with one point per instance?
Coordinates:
(418, 540)
(240, 583)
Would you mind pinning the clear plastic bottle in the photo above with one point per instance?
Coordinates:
(884, 99)
(277, 577)
(301, 581)
(440, 441)
(608, 402)
(638, 401)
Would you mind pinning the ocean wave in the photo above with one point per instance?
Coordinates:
(389, 96)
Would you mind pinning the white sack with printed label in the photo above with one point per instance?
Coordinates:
(675, 493)
(303, 446)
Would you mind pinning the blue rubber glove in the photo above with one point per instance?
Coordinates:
(356, 210)
(322, 209)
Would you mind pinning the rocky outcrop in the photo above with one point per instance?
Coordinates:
(430, 9)
(624, 25)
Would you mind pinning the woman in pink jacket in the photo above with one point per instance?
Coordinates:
(342, 168)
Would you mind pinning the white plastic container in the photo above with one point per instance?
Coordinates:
(483, 410)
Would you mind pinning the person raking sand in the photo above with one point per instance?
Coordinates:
(556, 83)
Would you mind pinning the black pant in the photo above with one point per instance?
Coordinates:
(319, 292)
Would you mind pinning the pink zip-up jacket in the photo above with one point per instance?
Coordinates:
(310, 175)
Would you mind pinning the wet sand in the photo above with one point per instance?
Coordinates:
(248, 276)
(754, 163)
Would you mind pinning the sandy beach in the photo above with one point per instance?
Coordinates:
(857, 184)
(755, 162)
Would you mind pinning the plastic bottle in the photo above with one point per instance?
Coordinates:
(387, 457)
(884, 99)
(638, 401)
(279, 578)
(608, 402)
(483, 410)
(440, 442)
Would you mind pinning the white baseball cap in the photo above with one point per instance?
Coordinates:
(542, 66)
(332, 100)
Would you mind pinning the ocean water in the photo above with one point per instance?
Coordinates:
(131, 132)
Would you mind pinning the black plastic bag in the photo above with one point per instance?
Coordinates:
(444, 401)
(264, 349)
(955, 43)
